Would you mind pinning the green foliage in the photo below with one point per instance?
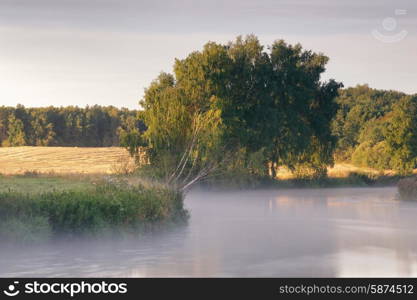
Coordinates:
(16, 132)
(306, 107)
(401, 135)
(268, 106)
(114, 207)
(377, 129)
(182, 139)
(94, 126)
(376, 156)
(373, 150)
(358, 106)
(361, 115)
(133, 141)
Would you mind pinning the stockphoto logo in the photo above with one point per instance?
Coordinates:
(391, 33)
(12, 290)
(71, 289)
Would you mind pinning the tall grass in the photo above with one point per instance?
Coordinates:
(115, 207)
(236, 180)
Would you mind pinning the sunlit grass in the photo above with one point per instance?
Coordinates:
(44, 183)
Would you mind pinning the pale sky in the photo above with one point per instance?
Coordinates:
(86, 52)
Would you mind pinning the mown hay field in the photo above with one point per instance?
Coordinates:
(64, 160)
(102, 160)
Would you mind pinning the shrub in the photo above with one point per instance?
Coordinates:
(374, 156)
(113, 207)
(407, 188)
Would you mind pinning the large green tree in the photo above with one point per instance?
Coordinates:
(303, 106)
(251, 100)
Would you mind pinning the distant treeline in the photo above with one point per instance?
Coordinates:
(94, 126)
(376, 128)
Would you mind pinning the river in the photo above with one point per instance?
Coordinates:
(345, 232)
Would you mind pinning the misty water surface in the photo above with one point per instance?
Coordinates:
(309, 232)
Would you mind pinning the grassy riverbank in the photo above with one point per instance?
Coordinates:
(352, 178)
(36, 208)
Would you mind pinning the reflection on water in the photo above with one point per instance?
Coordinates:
(320, 232)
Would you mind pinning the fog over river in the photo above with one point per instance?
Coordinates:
(344, 232)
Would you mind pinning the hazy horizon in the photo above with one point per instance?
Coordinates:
(73, 52)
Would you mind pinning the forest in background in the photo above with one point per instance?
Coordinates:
(94, 126)
(376, 128)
